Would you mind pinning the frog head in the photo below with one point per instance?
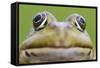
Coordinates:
(54, 41)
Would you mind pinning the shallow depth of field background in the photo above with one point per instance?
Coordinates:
(26, 13)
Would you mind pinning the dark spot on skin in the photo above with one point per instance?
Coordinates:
(75, 24)
(33, 54)
(89, 52)
(27, 54)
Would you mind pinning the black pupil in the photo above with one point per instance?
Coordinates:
(82, 21)
(38, 20)
(38, 17)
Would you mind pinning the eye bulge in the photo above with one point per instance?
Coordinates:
(77, 20)
(39, 21)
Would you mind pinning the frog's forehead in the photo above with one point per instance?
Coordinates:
(59, 24)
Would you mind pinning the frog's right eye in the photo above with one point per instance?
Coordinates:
(40, 21)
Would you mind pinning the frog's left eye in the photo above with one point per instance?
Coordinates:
(77, 20)
(80, 23)
(40, 21)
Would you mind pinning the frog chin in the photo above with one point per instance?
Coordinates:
(47, 54)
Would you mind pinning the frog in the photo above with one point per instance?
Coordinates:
(54, 41)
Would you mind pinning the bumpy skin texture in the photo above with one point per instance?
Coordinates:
(56, 42)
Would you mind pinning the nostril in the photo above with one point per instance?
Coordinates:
(27, 54)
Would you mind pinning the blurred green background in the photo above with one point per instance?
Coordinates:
(26, 13)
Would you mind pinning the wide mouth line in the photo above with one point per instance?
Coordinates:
(80, 46)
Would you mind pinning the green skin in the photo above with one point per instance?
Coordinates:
(58, 41)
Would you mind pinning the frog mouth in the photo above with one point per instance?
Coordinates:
(56, 54)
